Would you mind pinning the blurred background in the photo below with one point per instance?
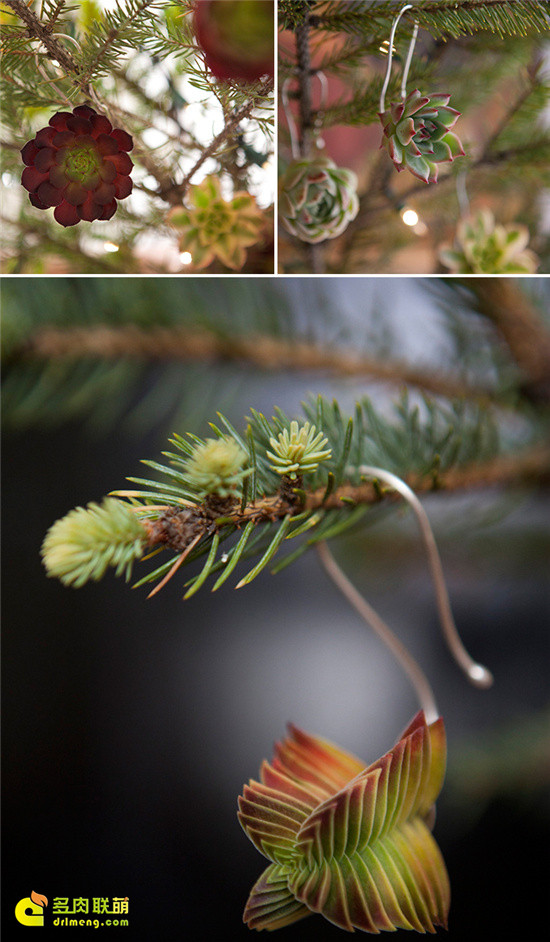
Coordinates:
(130, 725)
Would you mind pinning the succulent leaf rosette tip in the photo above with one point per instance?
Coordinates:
(78, 164)
(417, 134)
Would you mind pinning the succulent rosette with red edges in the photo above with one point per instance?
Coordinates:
(80, 165)
(417, 134)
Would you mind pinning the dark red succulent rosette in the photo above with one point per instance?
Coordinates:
(80, 165)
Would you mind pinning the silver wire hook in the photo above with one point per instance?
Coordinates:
(408, 60)
(50, 80)
(476, 673)
(70, 38)
(462, 194)
(415, 674)
(293, 130)
(324, 91)
(45, 75)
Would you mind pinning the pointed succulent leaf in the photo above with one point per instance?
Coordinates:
(271, 904)
(349, 842)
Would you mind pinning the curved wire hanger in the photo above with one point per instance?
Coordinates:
(47, 77)
(476, 673)
(292, 127)
(408, 60)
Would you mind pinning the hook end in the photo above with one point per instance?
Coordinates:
(479, 676)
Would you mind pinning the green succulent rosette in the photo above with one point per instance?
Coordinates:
(417, 134)
(317, 199)
(211, 227)
(483, 247)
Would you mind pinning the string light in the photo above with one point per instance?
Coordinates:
(110, 247)
(186, 258)
(410, 217)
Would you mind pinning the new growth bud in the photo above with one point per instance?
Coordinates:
(297, 450)
(217, 467)
(82, 545)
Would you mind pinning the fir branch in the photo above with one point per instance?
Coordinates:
(168, 188)
(38, 30)
(57, 10)
(442, 18)
(532, 465)
(74, 551)
(504, 17)
(321, 491)
(134, 11)
(262, 351)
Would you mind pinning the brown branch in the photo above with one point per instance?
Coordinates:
(38, 30)
(314, 253)
(231, 124)
(264, 352)
(303, 61)
(168, 189)
(508, 307)
(175, 528)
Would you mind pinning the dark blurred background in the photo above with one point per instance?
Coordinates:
(130, 725)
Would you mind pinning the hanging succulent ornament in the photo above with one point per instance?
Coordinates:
(236, 37)
(351, 843)
(483, 247)
(417, 134)
(317, 199)
(211, 227)
(417, 130)
(80, 165)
